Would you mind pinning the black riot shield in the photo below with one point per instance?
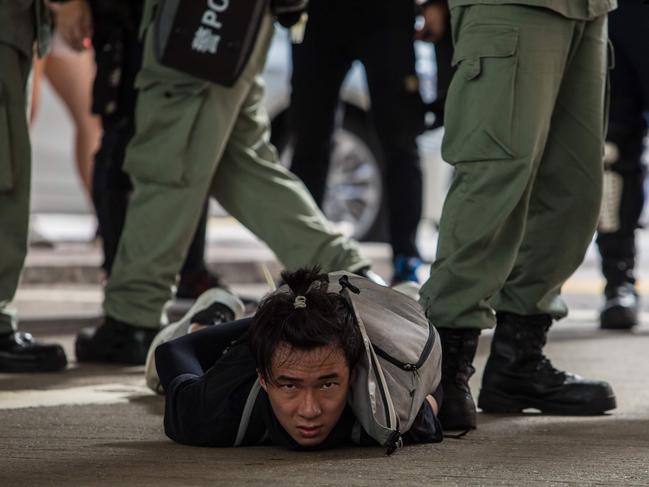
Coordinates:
(209, 39)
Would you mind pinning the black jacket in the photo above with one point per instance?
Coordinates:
(205, 408)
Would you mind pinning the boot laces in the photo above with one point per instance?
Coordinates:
(457, 366)
(533, 339)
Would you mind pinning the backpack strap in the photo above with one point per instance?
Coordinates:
(247, 412)
(375, 369)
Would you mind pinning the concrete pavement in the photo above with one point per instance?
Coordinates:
(99, 425)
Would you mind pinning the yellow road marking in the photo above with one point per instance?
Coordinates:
(581, 285)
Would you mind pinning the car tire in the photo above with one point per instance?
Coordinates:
(355, 192)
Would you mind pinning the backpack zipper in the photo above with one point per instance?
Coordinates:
(384, 397)
(394, 442)
(405, 365)
(345, 283)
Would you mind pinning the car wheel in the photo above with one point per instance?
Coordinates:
(354, 194)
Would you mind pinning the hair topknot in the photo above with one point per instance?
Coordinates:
(304, 280)
(323, 319)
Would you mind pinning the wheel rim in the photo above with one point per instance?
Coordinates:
(353, 196)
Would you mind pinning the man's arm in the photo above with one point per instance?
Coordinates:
(203, 407)
(206, 410)
(197, 352)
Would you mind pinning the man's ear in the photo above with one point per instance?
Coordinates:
(352, 376)
(262, 382)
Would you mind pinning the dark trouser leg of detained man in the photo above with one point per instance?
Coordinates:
(624, 171)
(19, 21)
(525, 131)
(194, 138)
(380, 35)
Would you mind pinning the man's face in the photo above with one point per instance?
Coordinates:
(308, 391)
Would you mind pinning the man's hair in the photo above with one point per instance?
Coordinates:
(317, 318)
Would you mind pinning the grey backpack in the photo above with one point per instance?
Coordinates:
(400, 367)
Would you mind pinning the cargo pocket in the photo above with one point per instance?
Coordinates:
(165, 119)
(479, 112)
(6, 160)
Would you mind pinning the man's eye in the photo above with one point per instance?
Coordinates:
(287, 387)
(328, 385)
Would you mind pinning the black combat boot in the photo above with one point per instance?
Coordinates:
(518, 376)
(620, 311)
(19, 352)
(458, 350)
(114, 342)
(192, 284)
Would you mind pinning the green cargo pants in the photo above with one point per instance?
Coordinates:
(15, 174)
(195, 139)
(525, 123)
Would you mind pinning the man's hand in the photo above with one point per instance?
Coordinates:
(73, 22)
(432, 402)
(435, 19)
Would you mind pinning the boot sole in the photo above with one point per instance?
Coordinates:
(181, 328)
(619, 321)
(123, 354)
(32, 363)
(458, 425)
(618, 325)
(458, 422)
(116, 357)
(491, 401)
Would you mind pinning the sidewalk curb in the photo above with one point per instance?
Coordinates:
(58, 326)
(80, 263)
(83, 273)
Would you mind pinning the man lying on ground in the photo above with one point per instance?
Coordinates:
(303, 349)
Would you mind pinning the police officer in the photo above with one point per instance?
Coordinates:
(118, 55)
(380, 35)
(24, 25)
(194, 139)
(624, 171)
(525, 124)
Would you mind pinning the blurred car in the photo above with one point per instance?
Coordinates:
(355, 197)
